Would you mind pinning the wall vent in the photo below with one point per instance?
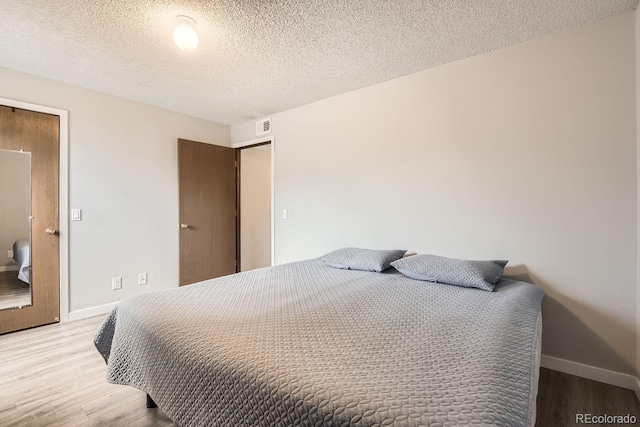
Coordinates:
(263, 126)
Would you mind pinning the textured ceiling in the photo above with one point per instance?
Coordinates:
(256, 58)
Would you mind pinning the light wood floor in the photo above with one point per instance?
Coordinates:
(53, 376)
(13, 291)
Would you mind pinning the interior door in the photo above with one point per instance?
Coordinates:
(37, 134)
(207, 185)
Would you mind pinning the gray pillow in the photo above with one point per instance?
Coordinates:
(451, 271)
(361, 259)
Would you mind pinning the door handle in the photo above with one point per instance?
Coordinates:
(184, 225)
(51, 231)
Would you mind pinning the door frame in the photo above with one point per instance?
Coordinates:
(63, 194)
(248, 144)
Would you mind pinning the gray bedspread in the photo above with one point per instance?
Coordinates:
(303, 344)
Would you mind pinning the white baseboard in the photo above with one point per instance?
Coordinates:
(9, 267)
(92, 311)
(592, 373)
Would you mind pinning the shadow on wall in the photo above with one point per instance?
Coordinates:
(565, 335)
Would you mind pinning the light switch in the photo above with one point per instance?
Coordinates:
(76, 214)
(142, 279)
(285, 214)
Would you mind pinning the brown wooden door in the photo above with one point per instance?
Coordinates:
(37, 133)
(207, 183)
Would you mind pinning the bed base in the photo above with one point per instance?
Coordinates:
(150, 402)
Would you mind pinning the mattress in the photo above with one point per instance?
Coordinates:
(536, 370)
(305, 344)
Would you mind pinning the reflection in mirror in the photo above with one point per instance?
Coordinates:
(15, 229)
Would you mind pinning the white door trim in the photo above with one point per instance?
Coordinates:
(253, 142)
(270, 139)
(63, 196)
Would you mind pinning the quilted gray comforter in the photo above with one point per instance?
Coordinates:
(303, 344)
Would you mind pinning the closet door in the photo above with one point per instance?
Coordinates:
(31, 139)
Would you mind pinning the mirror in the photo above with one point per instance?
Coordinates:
(15, 229)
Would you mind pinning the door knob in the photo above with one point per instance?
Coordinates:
(184, 225)
(50, 231)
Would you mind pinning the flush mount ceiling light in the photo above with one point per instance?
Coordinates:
(185, 34)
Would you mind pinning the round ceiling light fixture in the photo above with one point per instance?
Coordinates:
(185, 34)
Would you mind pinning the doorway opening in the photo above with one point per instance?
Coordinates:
(255, 206)
(255, 198)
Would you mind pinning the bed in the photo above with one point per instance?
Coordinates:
(21, 255)
(306, 344)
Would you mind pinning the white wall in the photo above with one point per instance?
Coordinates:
(15, 202)
(255, 207)
(123, 175)
(526, 153)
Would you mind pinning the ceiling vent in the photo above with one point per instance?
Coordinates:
(263, 126)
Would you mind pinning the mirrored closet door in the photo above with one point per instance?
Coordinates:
(29, 244)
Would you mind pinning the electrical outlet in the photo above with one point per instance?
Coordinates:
(142, 279)
(10, 254)
(116, 283)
